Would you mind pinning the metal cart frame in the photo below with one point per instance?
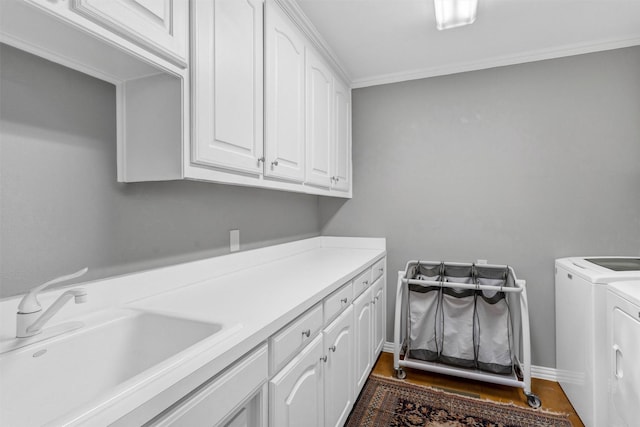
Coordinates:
(522, 348)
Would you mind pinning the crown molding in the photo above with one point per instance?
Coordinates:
(500, 61)
(297, 15)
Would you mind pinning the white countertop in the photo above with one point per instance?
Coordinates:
(256, 292)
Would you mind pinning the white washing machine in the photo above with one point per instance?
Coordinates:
(581, 341)
(623, 337)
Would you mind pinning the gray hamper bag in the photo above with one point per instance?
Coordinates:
(458, 326)
(494, 332)
(424, 313)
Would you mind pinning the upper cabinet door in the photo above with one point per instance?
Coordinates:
(342, 155)
(285, 96)
(159, 25)
(319, 121)
(227, 84)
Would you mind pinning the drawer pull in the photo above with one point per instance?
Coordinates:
(307, 333)
(333, 348)
(344, 300)
(324, 358)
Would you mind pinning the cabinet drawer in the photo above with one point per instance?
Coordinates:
(361, 283)
(377, 270)
(221, 396)
(286, 343)
(337, 301)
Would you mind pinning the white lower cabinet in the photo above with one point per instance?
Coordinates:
(363, 338)
(238, 397)
(296, 394)
(339, 393)
(379, 316)
(316, 371)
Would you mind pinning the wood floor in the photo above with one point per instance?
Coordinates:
(552, 397)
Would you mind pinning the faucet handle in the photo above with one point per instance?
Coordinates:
(30, 303)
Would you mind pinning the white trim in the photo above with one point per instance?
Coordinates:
(297, 15)
(539, 372)
(501, 61)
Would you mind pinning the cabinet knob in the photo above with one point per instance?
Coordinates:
(365, 283)
(324, 358)
(333, 348)
(274, 163)
(337, 179)
(376, 298)
(344, 300)
(381, 269)
(307, 333)
(260, 160)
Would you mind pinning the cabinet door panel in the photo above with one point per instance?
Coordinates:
(285, 93)
(227, 84)
(160, 25)
(319, 121)
(363, 338)
(379, 325)
(296, 393)
(217, 400)
(342, 154)
(339, 391)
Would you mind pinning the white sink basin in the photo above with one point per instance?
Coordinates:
(43, 381)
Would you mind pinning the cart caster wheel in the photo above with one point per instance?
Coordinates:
(533, 400)
(401, 374)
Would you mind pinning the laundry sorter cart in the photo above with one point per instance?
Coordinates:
(466, 320)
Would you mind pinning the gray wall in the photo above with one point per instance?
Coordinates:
(518, 165)
(61, 207)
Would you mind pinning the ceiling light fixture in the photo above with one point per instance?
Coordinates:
(455, 13)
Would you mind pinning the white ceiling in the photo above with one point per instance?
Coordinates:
(383, 41)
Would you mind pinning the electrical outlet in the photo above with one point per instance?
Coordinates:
(234, 240)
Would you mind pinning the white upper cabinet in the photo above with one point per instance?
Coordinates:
(319, 123)
(341, 178)
(159, 25)
(227, 84)
(285, 97)
(241, 92)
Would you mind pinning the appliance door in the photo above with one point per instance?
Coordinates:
(624, 379)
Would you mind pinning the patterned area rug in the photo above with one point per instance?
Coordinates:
(393, 403)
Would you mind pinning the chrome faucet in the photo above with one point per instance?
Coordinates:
(29, 322)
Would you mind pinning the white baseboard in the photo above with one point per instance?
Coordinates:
(540, 372)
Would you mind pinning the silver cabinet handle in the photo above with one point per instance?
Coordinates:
(261, 159)
(274, 163)
(307, 333)
(324, 358)
(333, 348)
(344, 300)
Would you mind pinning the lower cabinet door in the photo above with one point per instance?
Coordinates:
(363, 338)
(338, 381)
(235, 398)
(379, 323)
(251, 414)
(296, 393)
